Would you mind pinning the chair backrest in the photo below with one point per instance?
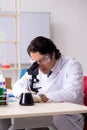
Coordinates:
(23, 71)
(85, 100)
(85, 90)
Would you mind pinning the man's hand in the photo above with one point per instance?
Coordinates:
(44, 98)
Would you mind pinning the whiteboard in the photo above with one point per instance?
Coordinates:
(32, 25)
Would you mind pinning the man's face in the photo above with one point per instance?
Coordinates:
(46, 62)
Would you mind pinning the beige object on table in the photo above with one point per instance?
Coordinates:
(36, 98)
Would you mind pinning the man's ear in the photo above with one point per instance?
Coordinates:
(53, 55)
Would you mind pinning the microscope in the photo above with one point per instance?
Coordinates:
(26, 98)
(33, 71)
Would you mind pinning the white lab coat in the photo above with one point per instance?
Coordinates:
(64, 84)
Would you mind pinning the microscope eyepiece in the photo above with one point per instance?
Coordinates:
(33, 70)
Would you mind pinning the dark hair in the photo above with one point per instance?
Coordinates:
(43, 45)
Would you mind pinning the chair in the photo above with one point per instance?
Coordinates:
(23, 71)
(85, 100)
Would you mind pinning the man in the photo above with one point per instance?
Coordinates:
(60, 80)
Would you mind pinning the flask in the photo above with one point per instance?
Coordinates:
(26, 98)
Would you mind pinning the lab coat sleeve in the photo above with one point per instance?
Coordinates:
(72, 90)
(19, 86)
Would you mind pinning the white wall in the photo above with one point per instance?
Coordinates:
(68, 24)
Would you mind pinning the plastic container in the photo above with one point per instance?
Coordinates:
(7, 66)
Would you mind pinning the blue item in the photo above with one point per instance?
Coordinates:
(12, 98)
(23, 71)
(10, 95)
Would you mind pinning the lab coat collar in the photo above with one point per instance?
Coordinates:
(59, 64)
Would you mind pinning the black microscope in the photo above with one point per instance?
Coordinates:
(26, 98)
(33, 71)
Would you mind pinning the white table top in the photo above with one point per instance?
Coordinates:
(14, 110)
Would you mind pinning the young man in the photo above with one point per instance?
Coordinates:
(60, 80)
